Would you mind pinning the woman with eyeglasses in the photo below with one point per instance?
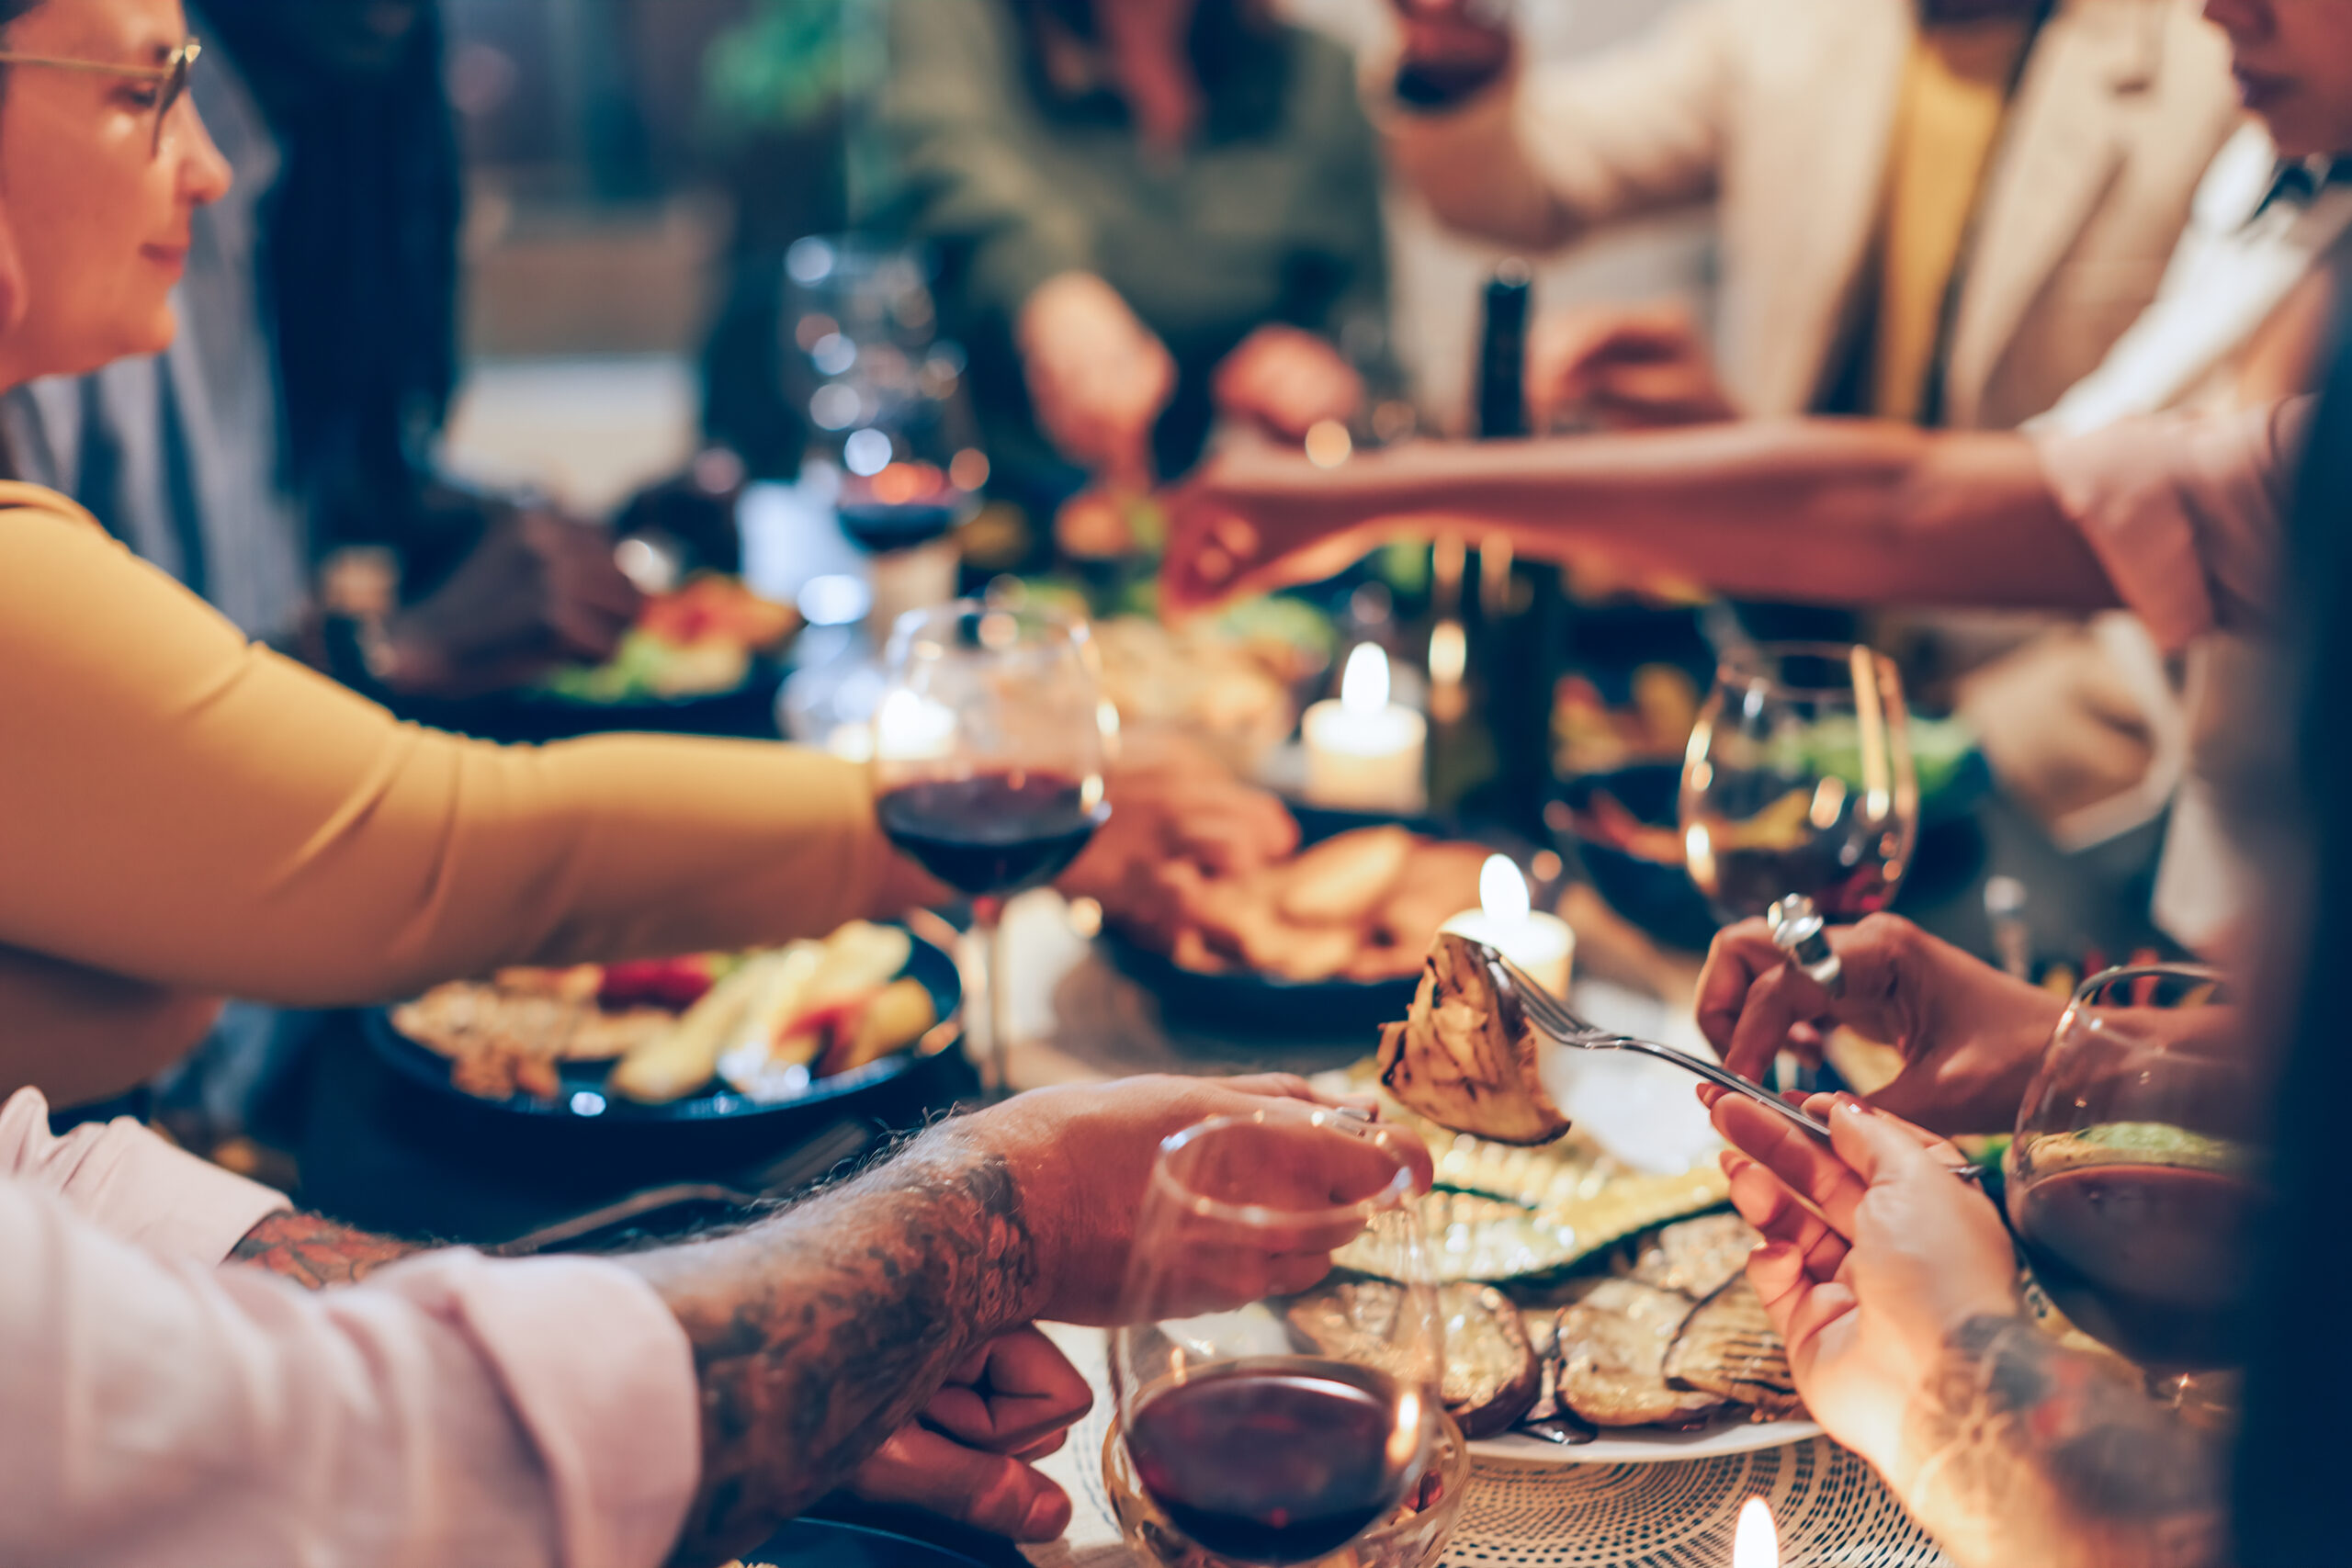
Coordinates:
(185, 816)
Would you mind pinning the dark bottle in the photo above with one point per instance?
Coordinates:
(1520, 628)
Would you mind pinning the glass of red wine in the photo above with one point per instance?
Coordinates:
(989, 741)
(1268, 1412)
(2134, 1181)
(1799, 779)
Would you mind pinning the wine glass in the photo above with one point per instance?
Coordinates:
(1268, 1412)
(1798, 779)
(2133, 1180)
(989, 741)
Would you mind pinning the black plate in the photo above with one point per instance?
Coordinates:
(584, 1103)
(836, 1544)
(1241, 1002)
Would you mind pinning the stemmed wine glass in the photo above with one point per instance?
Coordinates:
(990, 741)
(1799, 780)
(2133, 1181)
(1268, 1412)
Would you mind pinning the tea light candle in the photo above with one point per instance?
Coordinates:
(1540, 944)
(1365, 752)
(1755, 1543)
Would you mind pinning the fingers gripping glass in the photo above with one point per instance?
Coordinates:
(171, 76)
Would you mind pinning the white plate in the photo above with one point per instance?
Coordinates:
(1634, 1445)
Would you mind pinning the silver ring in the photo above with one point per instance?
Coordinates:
(1799, 931)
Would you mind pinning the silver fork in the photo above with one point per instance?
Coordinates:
(1560, 1024)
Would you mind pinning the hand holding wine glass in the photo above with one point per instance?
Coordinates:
(990, 743)
(1238, 1433)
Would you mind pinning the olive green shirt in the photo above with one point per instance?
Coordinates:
(1271, 214)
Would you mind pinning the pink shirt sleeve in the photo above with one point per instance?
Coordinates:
(452, 1409)
(131, 1184)
(2187, 512)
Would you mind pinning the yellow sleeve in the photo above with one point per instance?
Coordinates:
(184, 809)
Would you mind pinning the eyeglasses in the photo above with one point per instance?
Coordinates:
(173, 74)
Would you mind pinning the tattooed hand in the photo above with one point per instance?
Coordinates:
(1902, 1321)
(820, 1333)
(315, 1252)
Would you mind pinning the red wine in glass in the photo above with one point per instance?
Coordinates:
(1748, 882)
(2150, 1259)
(1274, 1461)
(993, 834)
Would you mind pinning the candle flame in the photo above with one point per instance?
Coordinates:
(1365, 687)
(1502, 891)
(1754, 1544)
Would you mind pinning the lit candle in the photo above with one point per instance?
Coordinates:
(1540, 944)
(1754, 1544)
(1365, 752)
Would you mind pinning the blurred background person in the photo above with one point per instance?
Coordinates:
(1944, 214)
(1149, 213)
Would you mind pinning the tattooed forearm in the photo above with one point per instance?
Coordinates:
(819, 1333)
(316, 1252)
(2028, 1452)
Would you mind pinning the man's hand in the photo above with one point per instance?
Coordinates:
(1970, 1036)
(1868, 1301)
(970, 1455)
(1286, 381)
(1081, 1155)
(1098, 377)
(1456, 45)
(1625, 369)
(820, 1333)
(540, 589)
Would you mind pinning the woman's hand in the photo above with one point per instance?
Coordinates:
(971, 1454)
(1970, 1036)
(1098, 377)
(1286, 381)
(1624, 367)
(1868, 1300)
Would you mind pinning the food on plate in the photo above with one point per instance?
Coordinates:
(1359, 906)
(1728, 1347)
(1492, 1373)
(697, 642)
(1613, 1347)
(1465, 1056)
(769, 1021)
(1697, 1257)
(1198, 681)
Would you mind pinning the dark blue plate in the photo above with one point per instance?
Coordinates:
(584, 1102)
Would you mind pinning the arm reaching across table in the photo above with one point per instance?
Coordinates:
(2176, 516)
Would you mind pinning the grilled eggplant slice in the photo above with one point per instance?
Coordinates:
(1492, 1373)
(1613, 1356)
(1465, 1056)
(1698, 1257)
(1728, 1347)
